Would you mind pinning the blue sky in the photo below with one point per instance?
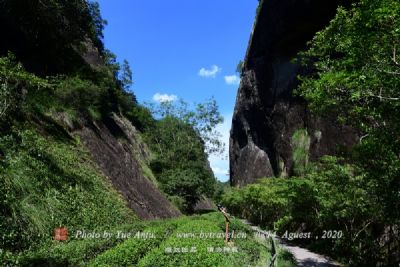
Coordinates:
(185, 49)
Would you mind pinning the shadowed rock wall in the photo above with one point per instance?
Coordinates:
(267, 114)
(114, 145)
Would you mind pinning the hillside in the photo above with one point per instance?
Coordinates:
(70, 154)
(90, 176)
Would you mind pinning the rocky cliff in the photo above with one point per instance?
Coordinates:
(121, 155)
(49, 39)
(267, 114)
(116, 148)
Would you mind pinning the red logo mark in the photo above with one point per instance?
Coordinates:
(61, 234)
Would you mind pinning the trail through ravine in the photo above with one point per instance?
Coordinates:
(304, 257)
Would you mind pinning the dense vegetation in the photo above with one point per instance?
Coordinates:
(46, 178)
(46, 183)
(181, 140)
(53, 64)
(356, 79)
(162, 243)
(56, 76)
(48, 36)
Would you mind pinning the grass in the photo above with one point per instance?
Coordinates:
(182, 242)
(47, 183)
(51, 182)
(161, 248)
(301, 146)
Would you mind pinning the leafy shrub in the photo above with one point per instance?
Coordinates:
(47, 183)
(131, 251)
(331, 196)
(51, 37)
(76, 251)
(180, 163)
(301, 145)
(186, 184)
(262, 203)
(141, 117)
(15, 84)
(81, 95)
(248, 249)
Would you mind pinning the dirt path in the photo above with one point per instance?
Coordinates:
(304, 257)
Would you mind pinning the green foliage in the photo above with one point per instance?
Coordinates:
(357, 66)
(186, 184)
(301, 146)
(331, 196)
(82, 96)
(96, 24)
(152, 250)
(260, 203)
(131, 251)
(48, 183)
(357, 79)
(176, 145)
(49, 36)
(14, 85)
(248, 249)
(141, 117)
(180, 140)
(239, 67)
(24, 93)
(78, 251)
(52, 39)
(126, 76)
(203, 118)
(220, 189)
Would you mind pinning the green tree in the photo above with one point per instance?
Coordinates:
(203, 118)
(179, 141)
(50, 36)
(187, 184)
(239, 67)
(301, 146)
(126, 76)
(15, 85)
(357, 76)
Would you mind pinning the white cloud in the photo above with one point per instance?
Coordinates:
(220, 171)
(220, 165)
(164, 98)
(232, 80)
(209, 73)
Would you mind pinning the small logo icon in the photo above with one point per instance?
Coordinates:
(61, 234)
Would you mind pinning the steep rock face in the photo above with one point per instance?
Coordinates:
(115, 146)
(266, 113)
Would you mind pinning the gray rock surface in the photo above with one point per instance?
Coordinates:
(116, 148)
(267, 114)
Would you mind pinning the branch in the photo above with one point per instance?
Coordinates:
(6, 103)
(389, 72)
(386, 98)
(362, 137)
(363, 229)
(394, 57)
(392, 72)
